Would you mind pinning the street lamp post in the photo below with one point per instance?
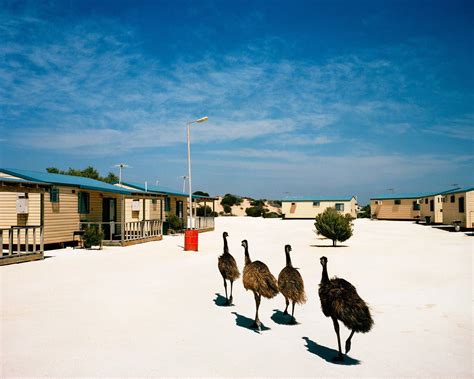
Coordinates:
(203, 119)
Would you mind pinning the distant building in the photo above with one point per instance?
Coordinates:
(427, 206)
(310, 207)
(458, 207)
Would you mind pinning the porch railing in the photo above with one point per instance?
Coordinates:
(203, 222)
(21, 240)
(133, 230)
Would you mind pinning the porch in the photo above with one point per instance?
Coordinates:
(23, 243)
(127, 233)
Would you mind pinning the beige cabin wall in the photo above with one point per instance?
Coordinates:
(388, 210)
(437, 214)
(451, 210)
(305, 209)
(61, 219)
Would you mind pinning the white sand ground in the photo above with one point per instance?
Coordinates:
(149, 310)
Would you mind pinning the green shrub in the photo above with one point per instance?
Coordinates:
(93, 236)
(209, 213)
(201, 193)
(176, 223)
(257, 203)
(227, 209)
(257, 211)
(230, 200)
(331, 224)
(271, 215)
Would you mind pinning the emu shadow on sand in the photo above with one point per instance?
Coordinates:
(248, 323)
(328, 354)
(340, 301)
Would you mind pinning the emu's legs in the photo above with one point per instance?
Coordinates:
(286, 308)
(293, 320)
(256, 323)
(340, 357)
(225, 286)
(348, 342)
(231, 285)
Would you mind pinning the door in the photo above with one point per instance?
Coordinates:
(109, 215)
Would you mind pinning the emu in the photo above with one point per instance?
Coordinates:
(291, 285)
(228, 268)
(340, 301)
(258, 278)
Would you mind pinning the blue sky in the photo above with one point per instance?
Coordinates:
(306, 98)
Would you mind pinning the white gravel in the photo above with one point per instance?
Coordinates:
(148, 310)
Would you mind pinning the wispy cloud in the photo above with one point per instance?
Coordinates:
(460, 128)
(92, 89)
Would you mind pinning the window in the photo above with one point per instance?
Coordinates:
(416, 206)
(453, 199)
(83, 202)
(431, 205)
(397, 201)
(461, 205)
(167, 204)
(340, 207)
(316, 203)
(426, 201)
(54, 195)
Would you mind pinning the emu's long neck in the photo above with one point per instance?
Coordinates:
(288, 259)
(325, 276)
(247, 256)
(226, 248)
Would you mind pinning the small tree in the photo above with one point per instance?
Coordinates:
(200, 193)
(331, 224)
(230, 200)
(227, 209)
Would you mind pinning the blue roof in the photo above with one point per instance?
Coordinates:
(459, 190)
(157, 189)
(19, 180)
(414, 195)
(66, 180)
(318, 198)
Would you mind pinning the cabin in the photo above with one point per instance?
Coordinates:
(458, 207)
(73, 203)
(310, 207)
(431, 207)
(397, 206)
(171, 202)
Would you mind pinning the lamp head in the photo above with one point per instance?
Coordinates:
(203, 119)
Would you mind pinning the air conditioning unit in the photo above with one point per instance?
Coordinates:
(135, 205)
(22, 203)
